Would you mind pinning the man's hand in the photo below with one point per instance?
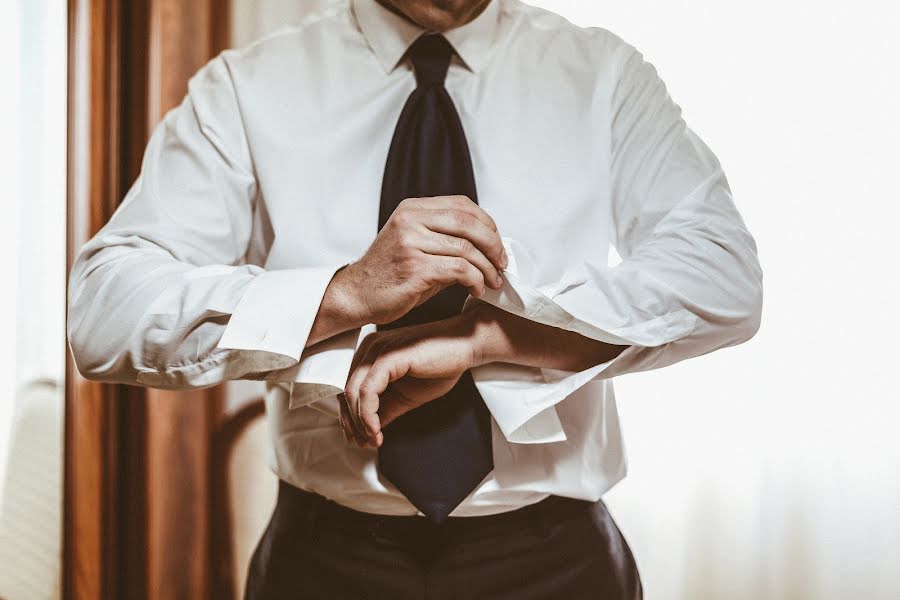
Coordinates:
(426, 245)
(398, 370)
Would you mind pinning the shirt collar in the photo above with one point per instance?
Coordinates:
(390, 35)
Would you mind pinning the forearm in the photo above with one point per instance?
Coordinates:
(501, 336)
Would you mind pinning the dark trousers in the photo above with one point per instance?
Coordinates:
(559, 549)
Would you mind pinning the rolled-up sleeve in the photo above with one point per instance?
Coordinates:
(162, 294)
(689, 281)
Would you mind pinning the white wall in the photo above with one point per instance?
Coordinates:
(771, 470)
(32, 295)
(33, 176)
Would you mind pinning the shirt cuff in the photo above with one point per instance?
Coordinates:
(321, 374)
(277, 310)
(523, 399)
(539, 304)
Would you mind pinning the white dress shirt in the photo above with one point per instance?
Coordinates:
(267, 179)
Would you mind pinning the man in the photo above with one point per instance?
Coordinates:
(399, 214)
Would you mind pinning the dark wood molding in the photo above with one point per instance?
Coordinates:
(179, 425)
(220, 33)
(90, 545)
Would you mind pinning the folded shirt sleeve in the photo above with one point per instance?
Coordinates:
(523, 399)
(689, 281)
(322, 370)
(162, 295)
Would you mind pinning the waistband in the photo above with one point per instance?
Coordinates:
(319, 512)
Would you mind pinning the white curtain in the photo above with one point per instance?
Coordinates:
(771, 470)
(32, 298)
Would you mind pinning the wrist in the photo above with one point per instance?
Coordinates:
(344, 303)
(487, 335)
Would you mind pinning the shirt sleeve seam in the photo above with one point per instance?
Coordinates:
(213, 359)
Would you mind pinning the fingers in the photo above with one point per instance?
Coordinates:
(387, 367)
(463, 203)
(367, 410)
(462, 224)
(351, 435)
(451, 227)
(375, 365)
(362, 392)
(352, 393)
(359, 366)
(447, 270)
(441, 244)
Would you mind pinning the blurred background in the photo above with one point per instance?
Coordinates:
(766, 471)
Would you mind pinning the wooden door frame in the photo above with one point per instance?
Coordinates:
(135, 511)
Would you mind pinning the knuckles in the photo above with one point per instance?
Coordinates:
(405, 241)
(463, 246)
(401, 218)
(459, 266)
(462, 219)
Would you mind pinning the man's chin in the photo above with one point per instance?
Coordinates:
(435, 15)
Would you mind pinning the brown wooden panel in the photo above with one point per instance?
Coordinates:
(220, 34)
(179, 425)
(178, 438)
(90, 564)
(136, 515)
(90, 567)
(180, 43)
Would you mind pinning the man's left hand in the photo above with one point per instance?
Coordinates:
(398, 370)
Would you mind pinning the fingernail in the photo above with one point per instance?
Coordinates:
(504, 259)
(499, 279)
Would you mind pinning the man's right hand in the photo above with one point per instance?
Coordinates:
(426, 245)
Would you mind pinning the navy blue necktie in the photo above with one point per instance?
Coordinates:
(438, 453)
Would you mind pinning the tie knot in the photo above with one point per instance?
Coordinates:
(430, 55)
